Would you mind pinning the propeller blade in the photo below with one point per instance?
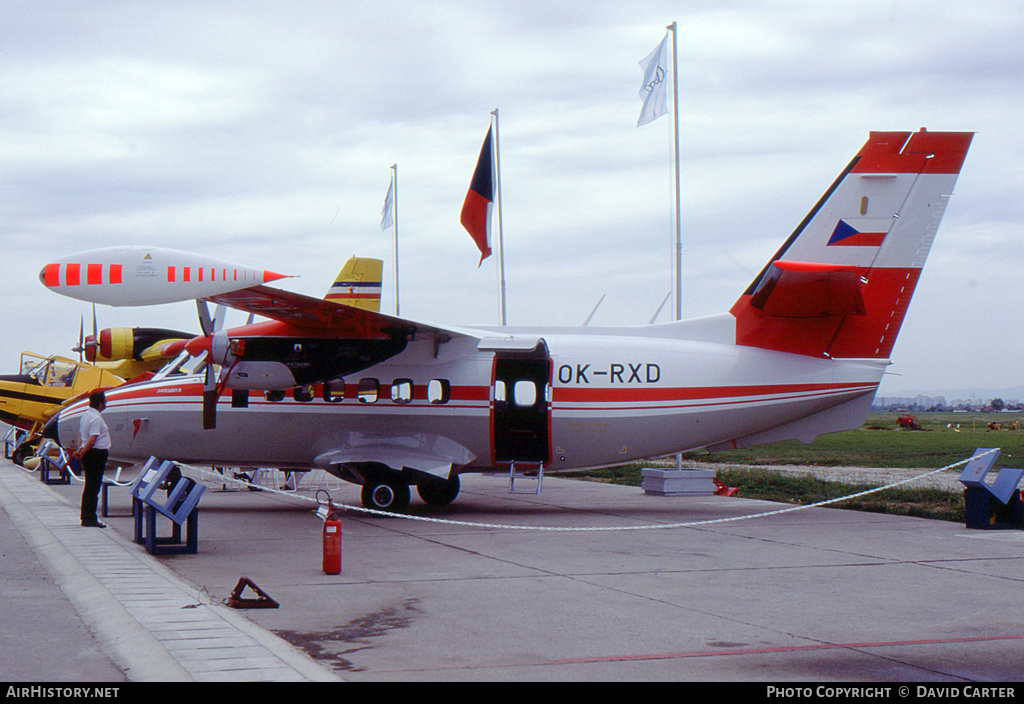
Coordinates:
(219, 354)
(219, 314)
(81, 339)
(205, 321)
(212, 328)
(210, 395)
(210, 409)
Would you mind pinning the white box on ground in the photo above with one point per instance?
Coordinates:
(678, 482)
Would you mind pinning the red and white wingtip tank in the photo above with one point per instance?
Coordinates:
(141, 276)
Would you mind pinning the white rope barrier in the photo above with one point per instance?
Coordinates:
(563, 529)
(63, 462)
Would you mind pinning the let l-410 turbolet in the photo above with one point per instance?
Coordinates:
(389, 402)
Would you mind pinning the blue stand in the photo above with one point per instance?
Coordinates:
(181, 505)
(991, 506)
(46, 465)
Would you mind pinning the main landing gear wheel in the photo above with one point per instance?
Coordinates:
(22, 453)
(440, 492)
(385, 495)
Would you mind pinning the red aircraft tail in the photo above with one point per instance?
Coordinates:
(840, 285)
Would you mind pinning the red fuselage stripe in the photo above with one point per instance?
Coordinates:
(620, 397)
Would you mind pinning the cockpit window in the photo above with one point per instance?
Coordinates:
(183, 364)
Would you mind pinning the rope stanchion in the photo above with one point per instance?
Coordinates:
(592, 529)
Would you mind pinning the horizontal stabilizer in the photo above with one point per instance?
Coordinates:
(802, 290)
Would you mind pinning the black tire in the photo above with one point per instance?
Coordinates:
(440, 492)
(385, 495)
(23, 452)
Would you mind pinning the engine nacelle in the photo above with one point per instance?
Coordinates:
(116, 344)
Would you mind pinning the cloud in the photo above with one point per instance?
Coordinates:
(263, 133)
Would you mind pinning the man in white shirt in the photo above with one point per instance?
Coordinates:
(93, 447)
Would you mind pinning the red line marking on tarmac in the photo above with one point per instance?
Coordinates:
(783, 649)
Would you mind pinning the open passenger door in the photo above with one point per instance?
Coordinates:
(520, 401)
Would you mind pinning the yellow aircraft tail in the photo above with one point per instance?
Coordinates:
(358, 284)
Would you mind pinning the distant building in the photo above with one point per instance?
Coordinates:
(922, 403)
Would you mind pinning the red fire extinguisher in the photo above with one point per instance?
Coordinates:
(332, 543)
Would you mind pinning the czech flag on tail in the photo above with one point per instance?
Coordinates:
(860, 233)
(476, 209)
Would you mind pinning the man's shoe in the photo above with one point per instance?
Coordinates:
(96, 524)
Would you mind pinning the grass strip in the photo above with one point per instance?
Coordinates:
(767, 485)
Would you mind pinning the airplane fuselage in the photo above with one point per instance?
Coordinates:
(567, 399)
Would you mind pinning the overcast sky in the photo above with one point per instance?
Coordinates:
(262, 133)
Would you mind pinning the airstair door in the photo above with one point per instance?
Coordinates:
(521, 406)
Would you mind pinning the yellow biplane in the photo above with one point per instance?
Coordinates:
(43, 384)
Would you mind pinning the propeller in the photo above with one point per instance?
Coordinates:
(92, 344)
(215, 342)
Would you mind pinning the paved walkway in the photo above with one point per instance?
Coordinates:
(153, 626)
(586, 582)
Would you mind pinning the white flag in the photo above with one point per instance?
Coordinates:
(653, 92)
(385, 212)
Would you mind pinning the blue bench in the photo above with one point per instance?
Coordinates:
(995, 505)
(181, 506)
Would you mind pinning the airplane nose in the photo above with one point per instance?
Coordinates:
(51, 429)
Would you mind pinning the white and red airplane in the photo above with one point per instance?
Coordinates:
(388, 402)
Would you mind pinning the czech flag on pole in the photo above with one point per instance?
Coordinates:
(476, 209)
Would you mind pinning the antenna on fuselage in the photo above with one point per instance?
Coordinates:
(658, 312)
(596, 306)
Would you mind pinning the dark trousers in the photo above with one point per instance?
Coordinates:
(93, 463)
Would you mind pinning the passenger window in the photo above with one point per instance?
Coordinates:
(499, 391)
(524, 393)
(439, 391)
(334, 390)
(274, 395)
(401, 390)
(303, 394)
(369, 390)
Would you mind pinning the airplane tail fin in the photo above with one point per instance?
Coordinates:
(840, 285)
(358, 284)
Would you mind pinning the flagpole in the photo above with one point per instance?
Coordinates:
(679, 224)
(679, 221)
(501, 233)
(394, 183)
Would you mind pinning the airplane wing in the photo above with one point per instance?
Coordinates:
(322, 315)
(309, 340)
